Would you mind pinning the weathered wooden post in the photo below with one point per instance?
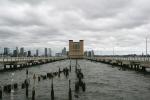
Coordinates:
(70, 65)
(52, 91)
(27, 83)
(138, 67)
(39, 79)
(67, 71)
(27, 73)
(1, 93)
(33, 90)
(34, 77)
(143, 69)
(59, 72)
(83, 87)
(15, 86)
(70, 93)
(33, 94)
(27, 86)
(76, 65)
(76, 86)
(10, 66)
(4, 66)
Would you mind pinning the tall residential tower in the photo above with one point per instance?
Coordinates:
(76, 49)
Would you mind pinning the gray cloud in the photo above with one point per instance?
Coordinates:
(103, 24)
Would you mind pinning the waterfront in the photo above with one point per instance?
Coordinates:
(103, 82)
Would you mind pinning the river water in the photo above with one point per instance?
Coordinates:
(103, 82)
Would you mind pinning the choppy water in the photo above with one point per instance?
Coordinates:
(103, 83)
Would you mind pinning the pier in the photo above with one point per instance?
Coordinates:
(136, 63)
(10, 63)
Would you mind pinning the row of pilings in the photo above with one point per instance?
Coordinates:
(27, 86)
(80, 76)
(131, 66)
(16, 65)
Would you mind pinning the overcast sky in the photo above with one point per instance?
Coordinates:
(102, 24)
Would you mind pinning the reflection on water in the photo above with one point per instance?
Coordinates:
(12, 95)
(12, 82)
(103, 83)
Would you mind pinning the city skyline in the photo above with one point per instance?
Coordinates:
(24, 52)
(122, 25)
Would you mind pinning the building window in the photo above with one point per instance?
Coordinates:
(76, 46)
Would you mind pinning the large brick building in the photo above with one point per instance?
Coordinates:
(76, 49)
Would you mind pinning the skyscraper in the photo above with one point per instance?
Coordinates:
(50, 52)
(92, 53)
(25, 54)
(64, 52)
(37, 52)
(17, 51)
(21, 51)
(45, 52)
(6, 51)
(29, 53)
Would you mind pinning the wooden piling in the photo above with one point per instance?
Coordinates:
(4, 66)
(39, 79)
(1, 93)
(27, 72)
(76, 86)
(15, 86)
(70, 93)
(59, 72)
(76, 65)
(22, 85)
(7, 88)
(33, 94)
(52, 91)
(27, 83)
(70, 66)
(143, 69)
(138, 67)
(83, 87)
(10, 66)
(27, 86)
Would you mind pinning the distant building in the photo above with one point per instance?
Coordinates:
(92, 53)
(89, 53)
(17, 51)
(64, 52)
(22, 52)
(86, 53)
(6, 51)
(50, 52)
(14, 53)
(45, 50)
(29, 54)
(25, 54)
(58, 54)
(76, 49)
(37, 53)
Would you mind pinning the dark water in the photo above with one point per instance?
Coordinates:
(103, 83)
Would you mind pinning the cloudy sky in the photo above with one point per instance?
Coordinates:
(103, 24)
